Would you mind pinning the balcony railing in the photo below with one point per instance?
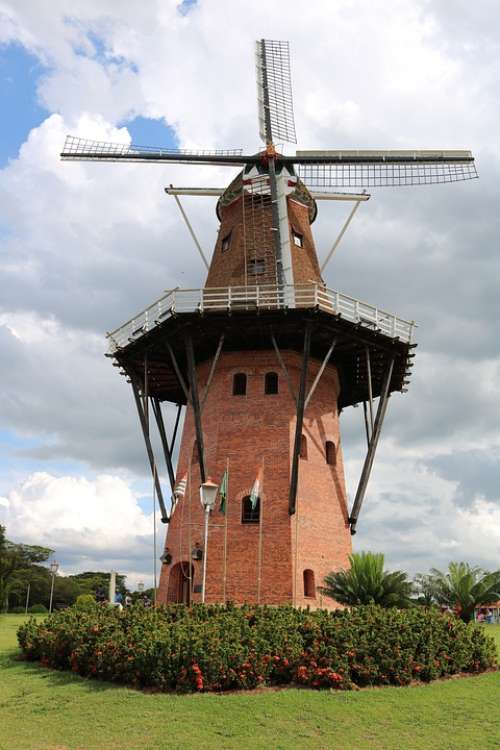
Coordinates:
(266, 297)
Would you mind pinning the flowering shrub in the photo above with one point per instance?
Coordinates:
(227, 647)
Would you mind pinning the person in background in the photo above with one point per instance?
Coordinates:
(128, 600)
(119, 600)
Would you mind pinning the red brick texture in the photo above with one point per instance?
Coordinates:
(265, 562)
(250, 238)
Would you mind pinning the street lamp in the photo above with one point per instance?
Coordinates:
(54, 567)
(208, 493)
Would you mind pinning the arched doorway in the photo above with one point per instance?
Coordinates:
(179, 590)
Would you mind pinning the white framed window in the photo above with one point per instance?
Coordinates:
(298, 238)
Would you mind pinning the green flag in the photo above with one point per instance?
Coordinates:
(223, 492)
(255, 493)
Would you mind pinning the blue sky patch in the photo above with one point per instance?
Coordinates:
(186, 6)
(19, 75)
(146, 131)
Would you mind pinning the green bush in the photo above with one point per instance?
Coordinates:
(85, 601)
(227, 647)
(37, 609)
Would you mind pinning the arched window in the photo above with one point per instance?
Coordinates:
(330, 453)
(239, 384)
(309, 587)
(250, 514)
(271, 383)
(303, 446)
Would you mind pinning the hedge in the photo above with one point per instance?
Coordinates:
(229, 648)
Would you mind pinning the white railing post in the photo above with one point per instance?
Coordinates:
(229, 298)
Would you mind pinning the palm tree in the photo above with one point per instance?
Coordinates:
(464, 587)
(366, 582)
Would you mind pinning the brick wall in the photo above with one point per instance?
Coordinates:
(251, 432)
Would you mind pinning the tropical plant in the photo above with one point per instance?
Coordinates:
(464, 588)
(366, 582)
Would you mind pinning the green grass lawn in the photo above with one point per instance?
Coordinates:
(42, 709)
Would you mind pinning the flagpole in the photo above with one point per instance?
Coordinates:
(261, 524)
(224, 576)
(296, 552)
(190, 567)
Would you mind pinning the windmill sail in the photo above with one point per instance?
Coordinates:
(83, 149)
(369, 168)
(274, 91)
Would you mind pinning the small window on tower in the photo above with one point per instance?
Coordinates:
(303, 446)
(250, 513)
(256, 266)
(309, 587)
(330, 453)
(298, 238)
(226, 243)
(240, 384)
(271, 383)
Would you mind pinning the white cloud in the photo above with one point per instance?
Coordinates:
(91, 524)
(90, 244)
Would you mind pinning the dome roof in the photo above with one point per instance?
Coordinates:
(296, 190)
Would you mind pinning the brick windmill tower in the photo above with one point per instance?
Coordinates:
(264, 357)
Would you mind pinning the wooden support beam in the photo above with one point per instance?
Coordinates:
(299, 421)
(163, 437)
(177, 369)
(370, 454)
(149, 448)
(283, 367)
(195, 402)
(367, 427)
(370, 390)
(176, 425)
(212, 371)
(320, 372)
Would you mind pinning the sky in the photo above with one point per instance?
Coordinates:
(85, 246)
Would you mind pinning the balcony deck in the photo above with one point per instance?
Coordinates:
(260, 298)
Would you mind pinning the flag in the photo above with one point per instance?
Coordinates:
(255, 493)
(180, 487)
(179, 491)
(223, 491)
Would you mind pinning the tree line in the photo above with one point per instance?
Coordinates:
(23, 564)
(462, 588)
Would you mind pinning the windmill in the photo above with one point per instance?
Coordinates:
(264, 357)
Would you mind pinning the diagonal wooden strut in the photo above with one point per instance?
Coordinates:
(149, 448)
(176, 425)
(283, 367)
(212, 371)
(372, 446)
(195, 402)
(299, 421)
(320, 371)
(164, 442)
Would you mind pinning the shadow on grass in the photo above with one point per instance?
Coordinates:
(54, 677)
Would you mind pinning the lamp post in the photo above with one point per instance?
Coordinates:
(54, 567)
(208, 493)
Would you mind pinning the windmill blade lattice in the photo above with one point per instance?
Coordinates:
(83, 149)
(358, 169)
(274, 91)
